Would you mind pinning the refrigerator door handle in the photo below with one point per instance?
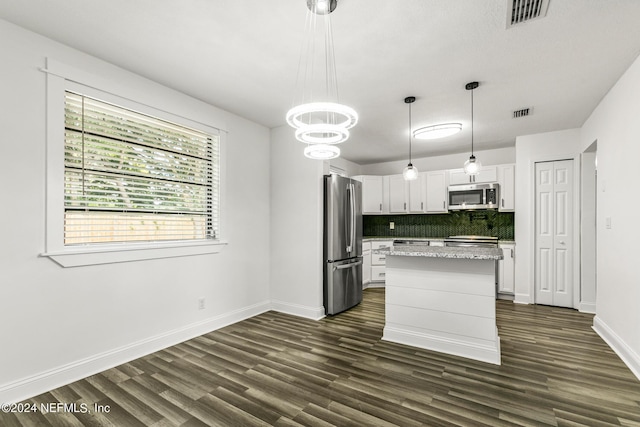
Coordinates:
(352, 217)
(343, 266)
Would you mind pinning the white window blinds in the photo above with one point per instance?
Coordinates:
(130, 177)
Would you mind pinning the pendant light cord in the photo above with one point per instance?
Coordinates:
(410, 132)
(472, 122)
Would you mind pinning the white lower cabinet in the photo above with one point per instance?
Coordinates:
(378, 262)
(506, 269)
(366, 263)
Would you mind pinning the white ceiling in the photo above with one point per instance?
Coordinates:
(242, 56)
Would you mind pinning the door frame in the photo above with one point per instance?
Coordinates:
(577, 167)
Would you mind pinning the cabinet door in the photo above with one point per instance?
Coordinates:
(506, 269)
(436, 192)
(366, 267)
(486, 174)
(417, 194)
(372, 194)
(397, 194)
(506, 179)
(457, 176)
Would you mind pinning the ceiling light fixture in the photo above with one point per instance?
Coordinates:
(437, 131)
(472, 166)
(319, 122)
(410, 173)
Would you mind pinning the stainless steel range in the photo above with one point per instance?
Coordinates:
(472, 241)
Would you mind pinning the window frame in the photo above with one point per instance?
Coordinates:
(105, 253)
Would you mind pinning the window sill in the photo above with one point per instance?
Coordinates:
(79, 257)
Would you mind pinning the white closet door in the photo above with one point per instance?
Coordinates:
(554, 233)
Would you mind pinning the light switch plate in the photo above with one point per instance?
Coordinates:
(392, 226)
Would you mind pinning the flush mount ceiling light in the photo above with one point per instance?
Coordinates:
(437, 131)
(472, 166)
(410, 173)
(319, 119)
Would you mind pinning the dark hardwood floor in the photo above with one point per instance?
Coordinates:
(276, 369)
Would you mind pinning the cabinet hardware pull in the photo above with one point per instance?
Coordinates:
(503, 203)
(421, 206)
(443, 203)
(380, 207)
(405, 206)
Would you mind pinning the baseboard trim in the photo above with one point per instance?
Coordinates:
(522, 299)
(314, 313)
(488, 354)
(587, 307)
(626, 353)
(28, 387)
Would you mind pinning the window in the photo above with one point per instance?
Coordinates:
(131, 177)
(134, 170)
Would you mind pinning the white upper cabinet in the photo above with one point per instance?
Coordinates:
(506, 179)
(486, 174)
(398, 194)
(418, 194)
(436, 192)
(372, 194)
(429, 193)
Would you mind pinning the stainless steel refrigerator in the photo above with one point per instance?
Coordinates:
(342, 243)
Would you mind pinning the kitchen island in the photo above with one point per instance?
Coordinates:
(443, 299)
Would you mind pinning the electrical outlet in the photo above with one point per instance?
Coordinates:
(392, 226)
(201, 303)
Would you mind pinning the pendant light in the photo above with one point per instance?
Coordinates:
(318, 117)
(410, 173)
(472, 166)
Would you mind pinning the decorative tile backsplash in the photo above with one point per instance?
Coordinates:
(482, 222)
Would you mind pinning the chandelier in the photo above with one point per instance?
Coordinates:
(320, 120)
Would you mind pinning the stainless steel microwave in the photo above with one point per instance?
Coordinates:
(474, 196)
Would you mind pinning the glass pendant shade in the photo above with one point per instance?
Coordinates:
(321, 151)
(472, 166)
(410, 173)
(437, 131)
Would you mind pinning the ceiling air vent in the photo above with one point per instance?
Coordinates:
(521, 113)
(520, 11)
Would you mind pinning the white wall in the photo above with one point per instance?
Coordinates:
(588, 248)
(296, 227)
(451, 161)
(615, 125)
(530, 149)
(348, 166)
(63, 324)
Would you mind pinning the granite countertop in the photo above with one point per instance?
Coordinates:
(426, 239)
(453, 252)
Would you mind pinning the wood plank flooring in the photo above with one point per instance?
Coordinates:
(280, 370)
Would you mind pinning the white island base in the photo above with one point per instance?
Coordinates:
(443, 304)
